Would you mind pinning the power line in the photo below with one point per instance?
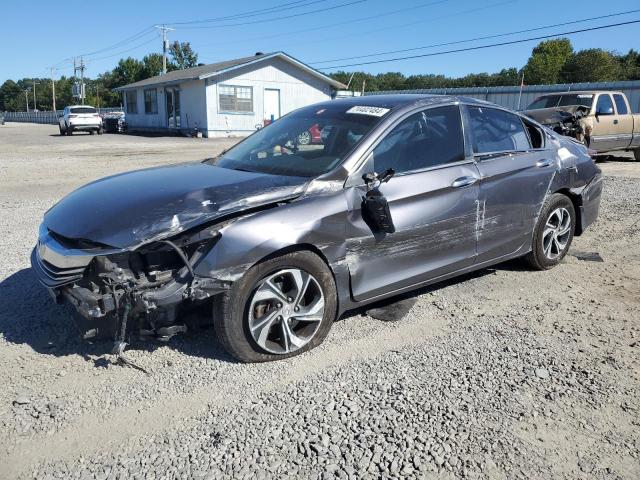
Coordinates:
(477, 38)
(480, 47)
(285, 17)
(331, 25)
(395, 27)
(252, 13)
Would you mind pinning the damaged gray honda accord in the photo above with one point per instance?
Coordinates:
(274, 239)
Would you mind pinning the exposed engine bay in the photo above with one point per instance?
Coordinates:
(562, 120)
(142, 291)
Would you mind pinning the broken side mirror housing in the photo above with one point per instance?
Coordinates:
(375, 207)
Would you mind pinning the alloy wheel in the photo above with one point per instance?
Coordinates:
(557, 231)
(304, 138)
(286, 310)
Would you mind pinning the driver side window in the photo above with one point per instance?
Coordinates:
(425, 139)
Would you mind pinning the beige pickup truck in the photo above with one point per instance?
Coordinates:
(601, 119)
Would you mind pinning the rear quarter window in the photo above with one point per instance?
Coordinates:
(621, 105)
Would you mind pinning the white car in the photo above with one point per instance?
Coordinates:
(80, 118)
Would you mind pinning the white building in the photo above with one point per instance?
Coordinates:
(227, 98)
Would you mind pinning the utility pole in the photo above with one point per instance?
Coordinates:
(35, 103)
(82, 80)
(53, 90)
(26, 98)
(165, 45)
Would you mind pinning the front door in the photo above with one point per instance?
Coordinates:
(432, 200)
(515, 177)
(604, 135)
(271, 104)
(173, 107)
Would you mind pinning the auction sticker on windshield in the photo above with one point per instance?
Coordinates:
(373, 111)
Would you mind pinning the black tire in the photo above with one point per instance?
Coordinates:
(100, 131)
(230, 310)
(92, 132)
(537, 257)
(69, 132)
(62, 132)
(636, 153)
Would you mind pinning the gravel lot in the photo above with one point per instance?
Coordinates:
(506, 373)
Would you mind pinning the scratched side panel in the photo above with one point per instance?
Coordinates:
(435, 232)
(512, 190)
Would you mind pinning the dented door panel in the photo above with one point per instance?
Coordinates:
(512, 189)
(435, 231)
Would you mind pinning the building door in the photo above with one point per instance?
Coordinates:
(173, 107)
(271, 104)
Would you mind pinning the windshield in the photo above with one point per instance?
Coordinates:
(83, 110)
(544, 102)
(576, 99)
(306, 143)
(565, 100)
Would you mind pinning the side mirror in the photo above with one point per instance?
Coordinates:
(375, 207)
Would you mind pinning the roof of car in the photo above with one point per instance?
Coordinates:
(580, 92)
(397, 100)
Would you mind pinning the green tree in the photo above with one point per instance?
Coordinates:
(183, 55)
(592, 65)
(547, 60)
(152, 65)
(630, 65)
(128, 70)
(11, 97)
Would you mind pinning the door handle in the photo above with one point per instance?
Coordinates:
(543, 163)
(615, 121)
(464, 182)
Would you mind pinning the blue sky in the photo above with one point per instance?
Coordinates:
(42, 33)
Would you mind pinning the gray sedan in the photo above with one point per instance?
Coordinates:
(274, 239)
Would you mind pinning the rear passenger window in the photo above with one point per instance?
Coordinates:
(621, 105)
(495, 130)
(426, 139)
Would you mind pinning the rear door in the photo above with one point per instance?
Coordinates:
(515, 177)
(432, 200)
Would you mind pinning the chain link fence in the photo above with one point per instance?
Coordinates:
(50, 118)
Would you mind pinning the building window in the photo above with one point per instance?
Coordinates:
(151, 101)
(132, 101)
(235, 99)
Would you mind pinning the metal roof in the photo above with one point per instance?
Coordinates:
(213, 69)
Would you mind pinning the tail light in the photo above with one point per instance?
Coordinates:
(73, 116)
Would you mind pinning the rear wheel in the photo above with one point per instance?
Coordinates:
(280, 308)
(100, 131)
(62, 132)
(636, 153)
(553, 232)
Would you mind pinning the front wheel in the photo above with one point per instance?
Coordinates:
(280, 308)
(553, 232)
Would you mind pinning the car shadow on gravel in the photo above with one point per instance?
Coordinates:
(28, 315)
(511, 266)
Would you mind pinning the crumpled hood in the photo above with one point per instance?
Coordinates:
(548, 116)
(132, 208)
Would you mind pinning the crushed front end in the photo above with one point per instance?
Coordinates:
(124, 292)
